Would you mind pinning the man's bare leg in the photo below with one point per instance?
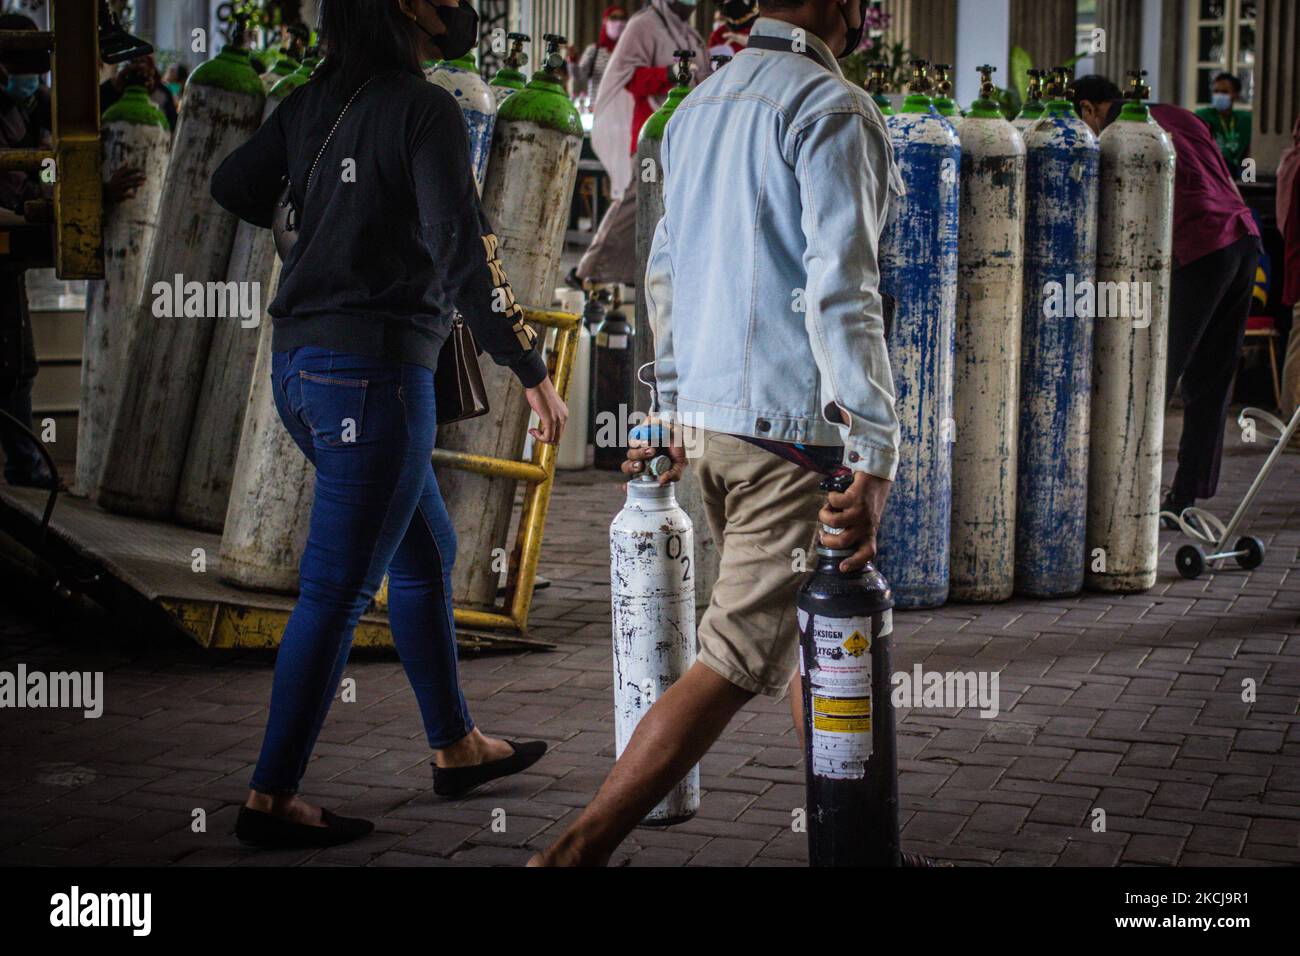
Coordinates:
(670, 739)
(796, 709)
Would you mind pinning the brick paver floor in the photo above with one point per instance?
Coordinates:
(1129, 705)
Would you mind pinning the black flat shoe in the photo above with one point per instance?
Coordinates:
(266, 830)
(458, 781)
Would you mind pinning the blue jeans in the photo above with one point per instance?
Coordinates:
(368, 426)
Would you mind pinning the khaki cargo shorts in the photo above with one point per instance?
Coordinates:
(762, 511)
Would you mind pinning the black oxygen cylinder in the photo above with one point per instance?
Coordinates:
(845, 623)
(615, 378)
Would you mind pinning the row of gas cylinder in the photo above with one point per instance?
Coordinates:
(177, 419)
(1030, 407)
(1030, 266)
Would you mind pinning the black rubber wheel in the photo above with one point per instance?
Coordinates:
(1190, 561)
(1254, 552)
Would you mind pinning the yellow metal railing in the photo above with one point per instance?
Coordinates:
(539, 473)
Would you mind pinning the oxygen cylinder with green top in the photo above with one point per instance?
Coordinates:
(285, 65)
(135, 136)
(1033, 107)
(510, 79)
(1129, 355)
(526, 198)
(990, 276)
(1062, 157)
(944, 104)
(878, 86)
(918, 268)
(164, 372)
(209, 473)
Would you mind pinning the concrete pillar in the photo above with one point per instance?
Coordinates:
(1122, 21)
(1044, 28)
(1277, 80)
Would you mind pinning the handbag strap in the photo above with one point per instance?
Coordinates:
(312, 172)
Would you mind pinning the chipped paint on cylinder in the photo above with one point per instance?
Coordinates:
(1056, 354)
(164, 370)
(526, 198)
(652, 598)
(271, 495)
(204, 489)
(478, 104)
(918, 267)
(986, 366)
(143, 142)
(1134, 245)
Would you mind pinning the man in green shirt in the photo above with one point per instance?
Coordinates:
(1231, 128)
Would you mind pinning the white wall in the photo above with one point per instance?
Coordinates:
(983, 36)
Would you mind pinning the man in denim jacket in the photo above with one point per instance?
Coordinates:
(763, 292)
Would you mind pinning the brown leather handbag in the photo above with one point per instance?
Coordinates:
(458, 382)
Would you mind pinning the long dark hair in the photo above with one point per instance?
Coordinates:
(362, 38)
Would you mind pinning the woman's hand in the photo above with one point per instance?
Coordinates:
(550, 409)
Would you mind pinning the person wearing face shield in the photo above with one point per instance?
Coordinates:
(391, 240)
(24, 124)
(586, 71)
(770, 364)
(635, 84)
(732, 33)
(1230, 126)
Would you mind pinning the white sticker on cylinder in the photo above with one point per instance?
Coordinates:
(839, 682)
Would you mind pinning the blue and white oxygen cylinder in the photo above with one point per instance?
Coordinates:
(1134, 263)
(477, 102)
(1056, 348)
(986, 371)
(918, 268)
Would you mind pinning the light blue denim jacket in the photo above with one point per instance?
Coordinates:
(762, 284)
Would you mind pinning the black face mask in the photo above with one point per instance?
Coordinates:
(461, 24)
(855, 33)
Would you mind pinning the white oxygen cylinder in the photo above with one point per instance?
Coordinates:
(1134, 257)
(136, 136)
(652, 595)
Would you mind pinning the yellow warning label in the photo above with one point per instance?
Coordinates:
(841, 725)
(856, 644)
(842, 706)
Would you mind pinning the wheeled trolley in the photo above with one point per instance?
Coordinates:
(1211, 533)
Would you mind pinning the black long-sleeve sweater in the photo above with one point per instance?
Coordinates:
(391, 237)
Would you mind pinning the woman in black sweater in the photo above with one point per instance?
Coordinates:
(391, 239)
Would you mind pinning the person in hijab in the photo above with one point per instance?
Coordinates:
(585, 74)
(730, 36)
(1288, 223)
(635, 84)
